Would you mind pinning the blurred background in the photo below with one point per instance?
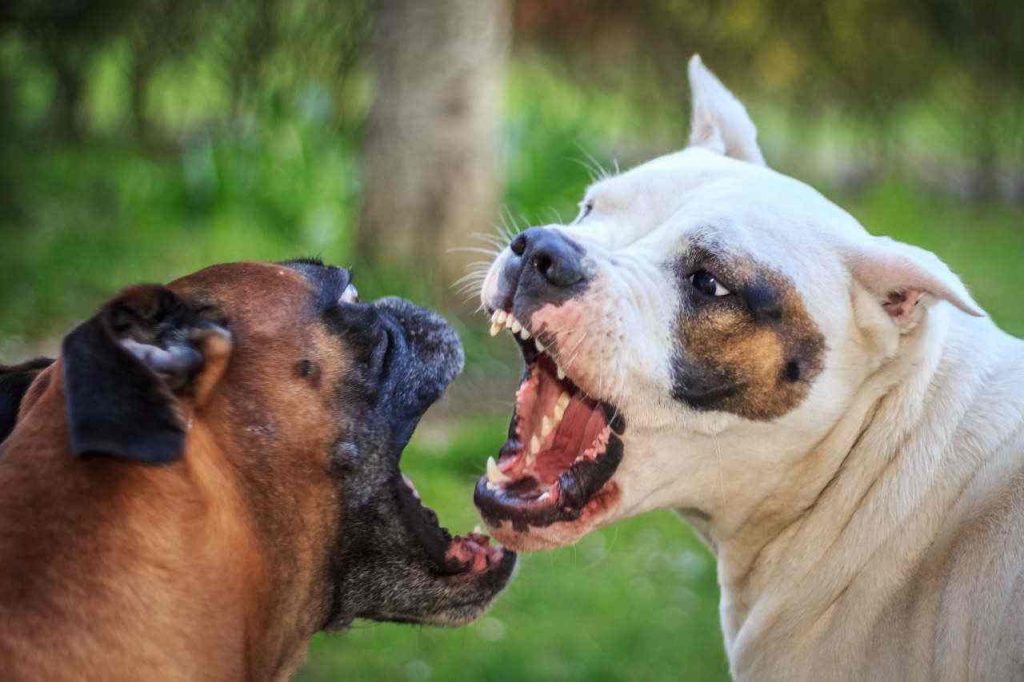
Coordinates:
(143, 139)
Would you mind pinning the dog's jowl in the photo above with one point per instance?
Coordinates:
(209, 474)
(830, 410)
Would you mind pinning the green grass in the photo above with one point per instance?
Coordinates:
(637, 601)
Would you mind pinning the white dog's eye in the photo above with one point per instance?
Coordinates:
(350, 295)
(706, 283)
(585, 208)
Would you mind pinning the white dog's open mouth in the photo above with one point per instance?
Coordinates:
(563, 448)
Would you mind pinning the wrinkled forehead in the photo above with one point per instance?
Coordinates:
(267, 296)
(693, 188)
(695, 204)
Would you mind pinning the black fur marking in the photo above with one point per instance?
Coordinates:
(763, 300)
(792, 371)
(328, 281)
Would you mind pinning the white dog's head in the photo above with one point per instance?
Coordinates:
(690, 335)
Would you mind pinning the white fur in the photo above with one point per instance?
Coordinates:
(876, 531)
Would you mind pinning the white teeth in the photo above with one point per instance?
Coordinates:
(559, 371)
(509, 321)
(516, 327)
(540, 346)
(546, 424)
(498, 321)
(545, 496)
(560, 405)
(494, 473)
(525, 334)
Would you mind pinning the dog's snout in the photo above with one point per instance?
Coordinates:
(553, 255)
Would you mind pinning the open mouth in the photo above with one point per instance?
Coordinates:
(563, 445)
(470, 554)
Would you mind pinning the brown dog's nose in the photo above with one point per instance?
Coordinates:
(558, 260)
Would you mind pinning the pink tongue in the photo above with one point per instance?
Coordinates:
(474, 551)
(581, 424)
(547, 391)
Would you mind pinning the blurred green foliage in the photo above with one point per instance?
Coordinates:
(141, 141)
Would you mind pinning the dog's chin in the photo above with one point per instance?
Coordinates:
(598, 512)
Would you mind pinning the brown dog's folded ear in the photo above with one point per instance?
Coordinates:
(14, 382)
(125, 369)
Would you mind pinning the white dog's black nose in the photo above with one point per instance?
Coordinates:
(554, 256)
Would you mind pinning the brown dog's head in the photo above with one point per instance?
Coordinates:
(309, 397)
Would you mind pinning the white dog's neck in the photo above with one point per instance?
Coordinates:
(864, 504)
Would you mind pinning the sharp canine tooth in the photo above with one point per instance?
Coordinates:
(563, 402)
(525, 334)
(500, 316)
(559, 371)
(494, 473)
(495, 328)
(545, 426)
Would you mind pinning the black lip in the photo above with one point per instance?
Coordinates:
(424, 525)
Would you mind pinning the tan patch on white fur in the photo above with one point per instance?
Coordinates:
(769, 360)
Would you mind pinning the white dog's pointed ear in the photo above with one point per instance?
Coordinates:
(719, 121)
(901, 276)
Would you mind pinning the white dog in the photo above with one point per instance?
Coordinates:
(829, 409)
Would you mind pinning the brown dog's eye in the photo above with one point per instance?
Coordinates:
(704, 282)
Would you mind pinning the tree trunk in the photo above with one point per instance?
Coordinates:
(431, 149)
(67, 103)
(141, 70)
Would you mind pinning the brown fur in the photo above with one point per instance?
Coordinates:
(211, 567)
(760, 343)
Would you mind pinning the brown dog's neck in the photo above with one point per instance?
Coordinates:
(95, 549)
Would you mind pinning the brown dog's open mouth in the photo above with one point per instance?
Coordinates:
(452, 555)
(563, 448)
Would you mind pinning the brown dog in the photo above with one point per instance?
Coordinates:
(208, 475)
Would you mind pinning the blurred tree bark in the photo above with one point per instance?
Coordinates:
(431, 147)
